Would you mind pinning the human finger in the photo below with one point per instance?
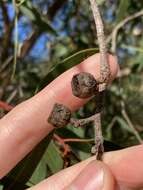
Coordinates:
(94, 175)
(127, 166)
(124, 165)
(26, 125)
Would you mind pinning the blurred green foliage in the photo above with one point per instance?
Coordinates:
(67, 28)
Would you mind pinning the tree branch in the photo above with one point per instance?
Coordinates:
(113, 35)
(55, 7)
(104, 65)
(98, 149)
(130, 124)
(5, 106)
(29, 43)
(8, 27)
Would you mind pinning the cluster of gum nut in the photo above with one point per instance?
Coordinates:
(83, 85)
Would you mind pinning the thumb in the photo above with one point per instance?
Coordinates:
(95, 176)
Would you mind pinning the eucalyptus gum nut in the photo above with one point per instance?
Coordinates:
(60, 116)
(84, 85)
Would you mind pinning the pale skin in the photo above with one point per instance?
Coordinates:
(26, 125)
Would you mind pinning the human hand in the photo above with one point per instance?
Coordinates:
(26, 125)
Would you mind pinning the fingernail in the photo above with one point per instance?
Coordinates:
(90, 178)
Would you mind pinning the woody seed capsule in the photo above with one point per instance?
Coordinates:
(59, 116)
(84, 85)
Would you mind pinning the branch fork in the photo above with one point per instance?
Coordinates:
(84, 85)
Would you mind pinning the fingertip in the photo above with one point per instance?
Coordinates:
(95, 175)
(126, 166)
(93, 63)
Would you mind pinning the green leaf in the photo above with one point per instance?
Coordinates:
(100, 2)
(84, 155)
(53, 158)
(132, 48)
(60, 50)
(21, 2)
(1, 187)
(122, 10)
(111, 146)
(37, 18)
(45, 24)
(25, 169)
(28, 12)
(124, 125)
(65, 65)
(6, 181)
(40, 172)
